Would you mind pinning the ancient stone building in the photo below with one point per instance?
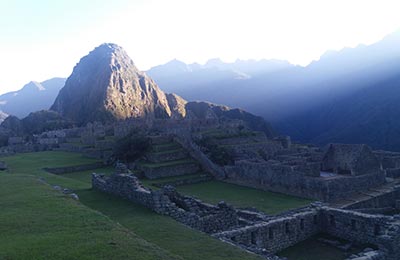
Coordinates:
(352, 159)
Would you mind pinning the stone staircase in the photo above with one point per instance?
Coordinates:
(168, 163)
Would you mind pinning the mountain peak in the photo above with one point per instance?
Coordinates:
(106, 85)
(33, 86)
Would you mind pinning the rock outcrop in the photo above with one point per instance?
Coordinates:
(106, 85)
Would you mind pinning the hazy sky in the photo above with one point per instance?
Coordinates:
(41, 39)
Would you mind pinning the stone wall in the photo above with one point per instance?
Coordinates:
(290, 180)
(168, 171)
(168, 201)
(387, 199)
(378, 230)
(196, 153)
(277, 234)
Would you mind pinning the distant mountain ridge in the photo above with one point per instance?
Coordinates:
(334, 99)
(280, 93)
(34, 96)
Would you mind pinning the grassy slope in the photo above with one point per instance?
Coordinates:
(162, 231)
(40, 223)
(243, 197)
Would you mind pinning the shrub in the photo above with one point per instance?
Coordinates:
(131, 147)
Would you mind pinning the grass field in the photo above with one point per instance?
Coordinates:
(40, 223)
(243, 197)
(37, 222)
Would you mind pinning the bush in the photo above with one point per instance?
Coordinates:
(131, 147)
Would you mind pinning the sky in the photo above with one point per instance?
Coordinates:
(41, 39)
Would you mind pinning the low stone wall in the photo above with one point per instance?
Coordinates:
(385, 200)
(75, 168)
(169, 171)
(378, 230)
(73, 148)
(193, 180)
(168, 201)
(368, 254)
(166, 156)
(286, 179)
(278, 233)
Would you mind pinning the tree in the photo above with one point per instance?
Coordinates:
(131, 147)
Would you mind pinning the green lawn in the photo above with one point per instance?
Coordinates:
(86, 176)
(243, 197)
(40, 223)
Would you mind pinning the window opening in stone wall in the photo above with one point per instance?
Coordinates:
(353, 224)
(332, 220)
(377, 229)
(287, 228)
(253, 238)
(271, 233)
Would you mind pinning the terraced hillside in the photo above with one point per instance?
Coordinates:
(169, 163)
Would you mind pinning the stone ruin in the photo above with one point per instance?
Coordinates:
(167, 201)
(257, 232)
(310, 172)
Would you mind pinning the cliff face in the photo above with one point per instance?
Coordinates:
(105, 85)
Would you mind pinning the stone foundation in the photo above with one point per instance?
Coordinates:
(296, 181)
(187, 210)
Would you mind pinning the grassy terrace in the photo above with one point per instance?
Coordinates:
(168, 163)
(243, 197)
(41, 223)
(149, 183)
(168, 151)
(166, 146)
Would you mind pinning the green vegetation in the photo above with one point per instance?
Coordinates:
(38, 222)
(41, 223)
(162, 231)
(86, 176)
(243, 197)
(131, 147)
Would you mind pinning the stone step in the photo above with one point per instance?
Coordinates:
(169, 169)
(165, 147)
(172, 155)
